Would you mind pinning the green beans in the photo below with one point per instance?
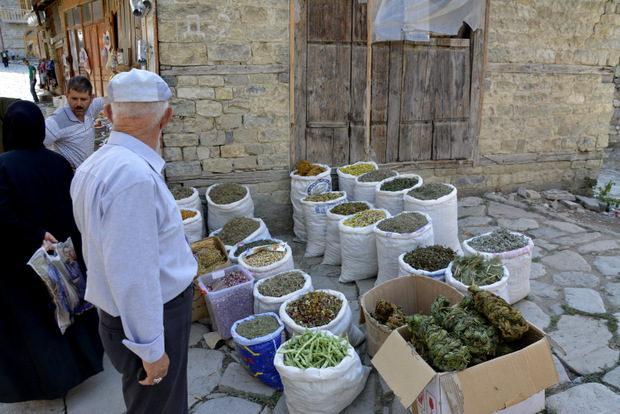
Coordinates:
(314, 350)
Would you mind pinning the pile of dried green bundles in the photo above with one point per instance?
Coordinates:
(389, 314)
(499, 313)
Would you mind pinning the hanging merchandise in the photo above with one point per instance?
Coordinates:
(85, 61)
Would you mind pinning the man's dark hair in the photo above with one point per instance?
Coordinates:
(25, 60)
(80, 84)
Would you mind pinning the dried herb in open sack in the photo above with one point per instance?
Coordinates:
(227, 193)
(237, 229)
(304, 168)
(399, 184)
(257, 327)
(282, 284)
(322, 197)
(357, 169)
(346, 209)
(430, 258)
(314, 349)
(430, 191)
(262, 256)
(236, 277)
(376, 175)
(403, 223)
(185, 214)
(498, 241)
(441, 350)
(476, 270)
(180, 192)
(314, 309)
(500, 313)
(364, 218)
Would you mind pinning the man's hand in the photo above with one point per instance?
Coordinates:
(48, 242)
(158, 369)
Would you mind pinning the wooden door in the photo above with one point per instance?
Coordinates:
(93, 44)
(425, 97)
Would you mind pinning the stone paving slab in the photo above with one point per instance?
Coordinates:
(575, 279)
(567, 260)
(599, 246)
(608, 265)
(585, 398)
(585, 300)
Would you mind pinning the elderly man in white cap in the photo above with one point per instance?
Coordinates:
(140, 265)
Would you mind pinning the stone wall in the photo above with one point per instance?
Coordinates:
(546, 117)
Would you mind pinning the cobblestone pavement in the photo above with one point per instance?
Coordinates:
(575, 297)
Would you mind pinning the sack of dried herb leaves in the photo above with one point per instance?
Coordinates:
(348, 173)
(515, 251)
(439, 201)
(399, 234)
(271, 292)
(332, 255)
(315, 208)
(430, 261)
(265, 261)
(241, 229)
(482, 268)
(303, 186)
(242, 246)
(365, 184)
(389, 194)
(226, 201)
(186, 197)
(194, 226)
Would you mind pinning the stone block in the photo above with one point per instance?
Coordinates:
(245, 163)
(236, 106)
(203, 153)
(196, 92)
(257, 149)
(223, 93)
(245, 135)
(212, 138)
(183, 169)
(182, 107)
(182, 54)
(212, 81)
(229, 121)
(189, 154)
(257, 121)
(232, 151)
(197, 124)
(229, 52)
(208, 108)
(172, 154)
(180, 140)
(273, 135)
(217, 165)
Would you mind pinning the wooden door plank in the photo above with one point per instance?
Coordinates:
(340, 147)
(394, 103)
(319, 142)
(328, 83)
(358, 83)
(378, 143)
(360, 22)
(298, 150)
(417, 96)
(416, 142)
(380, 82)
(476, 91)
(459, 69)
(449, 138)
(329, 20)
(357, 150)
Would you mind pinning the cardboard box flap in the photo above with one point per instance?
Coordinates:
(405, 372)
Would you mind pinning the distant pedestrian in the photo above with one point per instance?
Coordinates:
(12, 52)
(32, 71)
(5, 58)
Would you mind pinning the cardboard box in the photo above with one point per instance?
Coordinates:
(199, 308)
(509, 384)
(413, 293)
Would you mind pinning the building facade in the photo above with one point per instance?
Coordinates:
(15, 33)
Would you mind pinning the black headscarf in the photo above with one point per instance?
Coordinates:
(23, 126)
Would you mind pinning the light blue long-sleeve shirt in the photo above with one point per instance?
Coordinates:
(134, 245)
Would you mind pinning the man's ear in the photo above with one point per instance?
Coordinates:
(107, 110)
(166, 118)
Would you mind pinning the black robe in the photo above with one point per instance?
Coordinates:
(36, 360)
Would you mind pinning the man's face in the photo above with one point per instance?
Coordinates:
(79, 102)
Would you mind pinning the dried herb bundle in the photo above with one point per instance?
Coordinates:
(180, 192)
(500, 240)
(376, 175)
(237, 229)
(389, 314)
(476, 270)
(430, 258)
(442, 351)
(314, 309)
(399, 184)
(318, 198)
(185, 214)
(304, 168)
(500, 314)
(403, 223)
(227, 193)
(474, 331)
(209, 258)
(430, 191)
(257, 327)
(364, 218)
(357, 169)
(282, 284)
(346, 209)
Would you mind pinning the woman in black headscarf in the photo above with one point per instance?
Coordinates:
(36, 360)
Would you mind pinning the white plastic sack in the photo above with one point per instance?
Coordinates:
(192, 201)
(301, 187)
(342, 323)
(194, 227)
(261, 233)
(404, 269)
(235, 250)
(283, 265)
(358, 251)
(322, 391)
(365, 191)
(391, 245)
(220, 214)
(332, 255)
(500, 288)
(315, 220)
(518, 262)
(444, 212)
(346, 182)
(264, 303)
(392, 201)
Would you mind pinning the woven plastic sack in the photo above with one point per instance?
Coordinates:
(332, 255)
(500, 288)
(366, 191)
(390, 245)
(235, 251)
(393, 201)
(261, 233)
(346, 182)
(192, 201)
(444, 212)
(301, 187)
(315, 219)
(519, 265)
(283, 265)
(264, 303)
(220, 214)
(258, 354)
(194, 227)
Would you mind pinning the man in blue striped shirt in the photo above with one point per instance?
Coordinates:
(70, 129)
